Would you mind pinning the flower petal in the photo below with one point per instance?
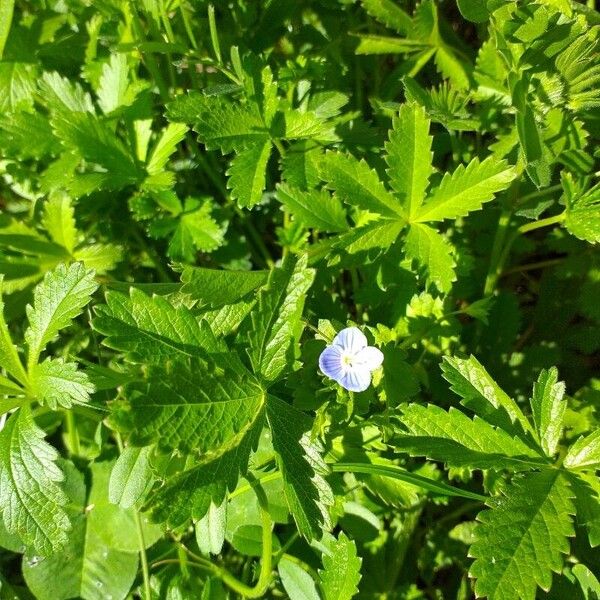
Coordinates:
(369, 357)
(356, 379)
(330, 362)
(351, 339)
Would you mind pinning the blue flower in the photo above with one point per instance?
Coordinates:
(349, 360)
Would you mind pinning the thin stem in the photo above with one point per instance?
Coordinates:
(492, 274)
(542, 264)
(257, 481)
(72, 432)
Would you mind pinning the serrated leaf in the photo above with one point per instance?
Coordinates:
(100, 257)
(165, 146)
(481, 394)
(381, 44)
(548, 408)
(188, 495)
(433, 253)
(276, 322)
(583, 216)
(247, 174)
(9, 357)
(314, 208)
(55, 383)
(453, 438)
(466, 189)
(62, 95)
(307, 493)
(358, 185)
(31, 498)
(341, 573)
(304, 125)
(520, 540)
(409, 156)
(113, 83)
(151, 328)
(131, 476)
(389, 13)
(59, 221)
(17, 85)
(379, 235)
(584, 453)
(57, 300)
(198, 407)
(300, 165)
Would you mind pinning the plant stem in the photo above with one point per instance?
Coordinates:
(72, 432)
(492, 274)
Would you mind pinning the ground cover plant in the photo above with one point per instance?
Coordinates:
(299, 299)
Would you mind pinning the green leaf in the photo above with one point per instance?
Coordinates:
(389, 13)
(409, 156)
(583, 215)
(341, 573)
(165, 146)
(131, 476)
(481, 394)
(113, 83)
(32, 500)
(300, 165)
(358, 185)
(307, 493)
(17, 85)
(584, 453)
(474, 10)
(466, 189)
(590, 586)
(521, 538)
(197, 407)
(548, 408)
(380, 44)
(297, 583)
(380, 235)
(56, 302)
(587, 504)
(275, 325)
(6, 15)
(59, 221)
(55, 383)
(210, 529)
(216, 288)
(99, 257)
(314, 208)
(247, 174)
(152, 329)
(433, 253)
(63, 96)
(188, 495)
(453, 438)
(9, 357)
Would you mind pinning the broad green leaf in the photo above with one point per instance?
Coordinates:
(583, 215)
(197, 407)
(59, 221)
(314, 208)
(131, 476)
(433, 253)
(297, 583)
(17, 85)
(32, 501)
(27, 135)
(548, 407)
(151, 328)
(100, 257)
(590, 586)
(6, 15)
(305, 125)
(307, 493)
(584, 453)
(165, 146)
(9, 357)
(300, 165)
(228, 318)
(210, 529)
(188, 495)
(389, 13)
(63, 96)
(216, 288)
(55, 383)
(587, 503)
(409, 156)
(466, 189)
(247, 174)
(113, 83)
(481, 394)
(275, 325)
(521, 538)
(57, 300)
(358, 185)
(453, 438)
(341, 572)
(474, 10)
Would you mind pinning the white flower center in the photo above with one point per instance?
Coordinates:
(347, 359)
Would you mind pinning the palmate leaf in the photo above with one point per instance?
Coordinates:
(248, 173)
(409, 156)
(275, 325)
(194, 406)
(520, 540)
(548, 407)
(453, 438)
(188, 495)
(466, 189)
(32, 500)
(151, 328)
(358, 185)
(56, 302)
(433, 253)
(341, 573)
(307, 493)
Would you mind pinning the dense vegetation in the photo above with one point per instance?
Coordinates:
(202, 208)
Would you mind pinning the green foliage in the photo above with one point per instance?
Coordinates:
(196, 200)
